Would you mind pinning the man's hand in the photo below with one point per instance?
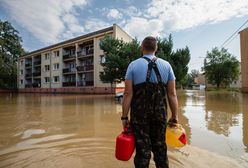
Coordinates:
(125, 123)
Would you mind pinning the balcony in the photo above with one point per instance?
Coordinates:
(82, 53)
(85, 68)
(38, 73)
(29, 64)
(36, 85)
(85, 83)
(69, 70)
(37, 63)
(28, 75)
(28, 86)
(66, 84)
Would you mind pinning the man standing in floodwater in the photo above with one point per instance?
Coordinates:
(148, 80)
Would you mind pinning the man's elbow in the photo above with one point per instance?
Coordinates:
(172, 93)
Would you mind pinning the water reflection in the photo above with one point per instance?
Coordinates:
(245, 120)
(80, 130)
(222, 111)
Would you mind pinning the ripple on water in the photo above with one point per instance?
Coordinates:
(68, 150)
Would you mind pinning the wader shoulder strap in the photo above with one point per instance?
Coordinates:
(152, 65)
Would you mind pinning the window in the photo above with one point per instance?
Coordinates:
(21, 72)
(47, 56)
(56, 53)
(47, 79)
(21, 81)
(47, 67)
(21, 63)
(102, 59)
(56, 79)
(56, 66)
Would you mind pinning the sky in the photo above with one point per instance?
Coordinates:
(198, 24)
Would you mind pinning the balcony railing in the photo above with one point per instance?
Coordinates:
(65, 84)
(85, 83)
(83, 53)
(68, 56)
(37, 62)
(28, 75)
(38, 73)
(85, 68)
(28, 64)
(28, 86)
(36, 85)
(66, 70)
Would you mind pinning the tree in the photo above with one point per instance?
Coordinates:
(10, 50)
(118, 55)
(179, 59)
(221, 67)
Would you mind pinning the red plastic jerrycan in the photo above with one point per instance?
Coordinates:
(125, 145)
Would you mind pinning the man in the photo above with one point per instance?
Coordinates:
(148, 79)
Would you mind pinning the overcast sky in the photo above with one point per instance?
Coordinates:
(199, 24)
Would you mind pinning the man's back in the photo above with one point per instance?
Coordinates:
(138, 68)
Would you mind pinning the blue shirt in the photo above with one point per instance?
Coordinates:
(137, 70)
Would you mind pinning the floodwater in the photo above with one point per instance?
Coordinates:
(79, 131)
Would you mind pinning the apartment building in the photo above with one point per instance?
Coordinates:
(72, 66)
(244, 58)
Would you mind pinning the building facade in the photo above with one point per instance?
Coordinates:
(244, 58)
(72, 66)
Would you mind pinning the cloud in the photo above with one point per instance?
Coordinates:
(141, 27)
(171, 15)
(49, 21)
(95, 24)
(114, 14)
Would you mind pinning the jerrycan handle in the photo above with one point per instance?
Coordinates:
(126, 130)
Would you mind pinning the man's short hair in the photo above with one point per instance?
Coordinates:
(149, 43)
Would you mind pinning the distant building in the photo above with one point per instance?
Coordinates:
(244, 58)
(201, 80)
(69, 66)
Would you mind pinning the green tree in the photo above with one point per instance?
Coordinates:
(118, 55)
(10, 50)
(221, 67)
(179, 59)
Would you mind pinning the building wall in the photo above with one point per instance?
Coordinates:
(52, 86)
(21, 77)
(121, 34)
(244, 58)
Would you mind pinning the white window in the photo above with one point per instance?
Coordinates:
(56, 66)
(21, 72)
(21, 81)
(56, 79)
(47, 56)
(47, 67)
(21, 62)
(56, 53)
(47, 79)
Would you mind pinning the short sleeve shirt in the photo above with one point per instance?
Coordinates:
(137, 71)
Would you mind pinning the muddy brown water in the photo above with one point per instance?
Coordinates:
(45, 130)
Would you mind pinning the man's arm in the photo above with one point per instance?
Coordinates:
(127, 98)
(172, 98)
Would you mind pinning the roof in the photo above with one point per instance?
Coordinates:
(70, 40)
(245, 29)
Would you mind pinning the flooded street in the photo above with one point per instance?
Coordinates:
(42, 130)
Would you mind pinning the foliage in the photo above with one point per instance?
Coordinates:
(119, 54)
(179, 59)
(221, 67)
(10, 50)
